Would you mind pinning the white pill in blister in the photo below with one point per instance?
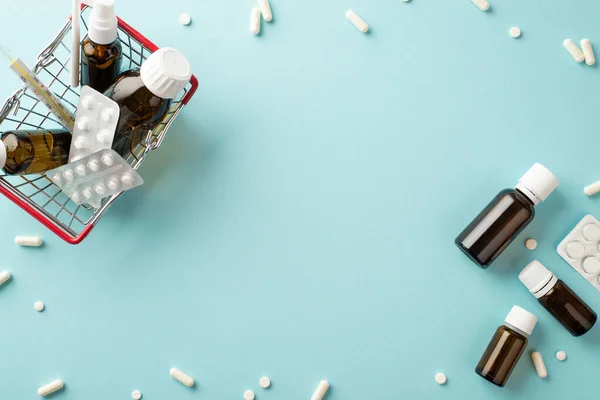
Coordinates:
(100, 189)
(573, 50)
(4, 276)
(483, 5)
(76, 197)
(440, 378)
(588, 51)
(248, 395)
(255, 21)
(93, 165)
(540, 366)
(83, 124)
(575, 250)
(69, 175)
(87, 102)
(591, 232)
(531, 244)
(108, 114)
(57, 178)
(591, 265)
(515, 32)
(80, 170)
(265, 9)
(113, 184)
(561, 356)
(185, 19)
(357, 21)
(182, 377)
(50, 388)
(103, 136)
(30, 241)
(108, 160)
(136, 395)
(264, 382)
(79, 143)
(87, 193)
(592, 189)
(321, 390)
(127, 179)
(38, 306)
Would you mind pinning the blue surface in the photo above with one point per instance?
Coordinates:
(299, 219)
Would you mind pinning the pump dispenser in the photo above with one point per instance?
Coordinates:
(101, 51)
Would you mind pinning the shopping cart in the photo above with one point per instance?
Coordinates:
(36, 194)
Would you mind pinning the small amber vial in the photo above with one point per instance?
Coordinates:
(34, 152)
(558, 298)
(505, 216)
(506, 347)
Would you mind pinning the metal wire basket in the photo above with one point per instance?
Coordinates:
(36, 194)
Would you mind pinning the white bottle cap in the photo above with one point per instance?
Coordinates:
(537, 183)
(2, 154)
(537, 278)
(102, 23)
(521, 319)
(166, 72)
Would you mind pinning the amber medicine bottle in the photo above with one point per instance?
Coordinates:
(144, 96)
(556, 297)
(506, 347)
(101, 51)
(34, 152)
(506, 216)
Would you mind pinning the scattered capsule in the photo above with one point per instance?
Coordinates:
(588, 52)
(4, 277)
(483, 5)
(573, 50)
(538, 362)
(50, 388)
(255, 21)
(265, 9)
(181, 377)
(29, 241)
(357, 21)
(321, 390)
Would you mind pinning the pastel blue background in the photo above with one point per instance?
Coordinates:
(298, 221)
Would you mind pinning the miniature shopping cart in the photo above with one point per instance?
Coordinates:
(36, 194)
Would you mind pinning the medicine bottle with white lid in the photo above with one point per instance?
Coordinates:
(101, 50)
(558, 298)
(506, 216)
(144, 96)
(506, 347)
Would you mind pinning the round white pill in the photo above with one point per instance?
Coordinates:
(264, 382)
(93, 165)
(100, 189)
(108, 160)
(76, 197)
(87, 102)
(440, 378)
(136, 395)
(56, 179)
(39, 306)
(108, 115)
(87, 193)
(591, 265)
(561, 356)
(591, 232)
(68, 175)
(127, 179)
(531, 244)
(83, 124)
(113, 184)
(185, 19)
(515, 32)
(80, 170)
(248, 395)
(103, 136)
(79, 143)
(574, 249)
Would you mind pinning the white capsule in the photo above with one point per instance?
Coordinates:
(30, 241)
(561, 356)
(4, 276)
(108, 115)
(185, 19)
(357, 21)
(38, 306)
(440, 378)
(483, 5)
(588, 52)
(265, 9)
(80, 170)
(255, 21)
(573, 50)
(103, 136)
(108, 160)
(321, 390)
(248, 395)
(592, 189)
(515, 32)
(50, 388)
(68, 175)
(264, 382)
(127, 179)
(100, 189)
(540, 367)
(87, 102)
(93, 166)
(83, 124)
(182, 377)
(87, 193)
(113, 184)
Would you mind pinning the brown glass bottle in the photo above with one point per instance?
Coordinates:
(140, 111)
(506, 347)
(34, 152)
(558, 298)
(100, 63)
(505, 216)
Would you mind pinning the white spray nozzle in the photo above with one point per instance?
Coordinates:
(102, 24)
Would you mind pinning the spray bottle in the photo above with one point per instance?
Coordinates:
(101, 51)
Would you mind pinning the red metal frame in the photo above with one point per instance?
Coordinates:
(51, 225)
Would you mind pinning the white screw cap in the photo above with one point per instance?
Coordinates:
(537, 183)
(166, 72)
(521, 319)
(535, 276)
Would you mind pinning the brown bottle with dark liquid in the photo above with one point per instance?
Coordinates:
(34, 152)
(506, 347)
(101, 51)
(505, 216)
(558, 298)
(144, 96)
